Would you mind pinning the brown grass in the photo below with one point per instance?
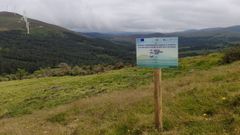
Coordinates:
(37, 123)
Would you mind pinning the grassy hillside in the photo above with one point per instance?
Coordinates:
(13, 21)
(201, 97)
(49, 45)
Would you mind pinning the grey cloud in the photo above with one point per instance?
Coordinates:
(130, 15)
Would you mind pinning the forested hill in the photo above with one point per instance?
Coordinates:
(48, 45)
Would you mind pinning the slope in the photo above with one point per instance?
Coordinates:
(198, 98)
(48, 45)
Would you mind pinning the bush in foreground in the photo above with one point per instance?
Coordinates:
(231, 55)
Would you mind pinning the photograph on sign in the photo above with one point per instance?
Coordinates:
(157, 52)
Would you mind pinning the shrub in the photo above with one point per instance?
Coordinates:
(231, 55)
(64, 69)
(3, 79)
(21, 73)
(78, 71)
(59, 118)
(119, 65)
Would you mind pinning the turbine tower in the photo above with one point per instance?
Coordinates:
(26, 22)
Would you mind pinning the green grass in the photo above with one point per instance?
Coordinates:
(193, 104)
(8, 23)
(200, 97)
(23, 97)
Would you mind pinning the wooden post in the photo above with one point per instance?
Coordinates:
(158, 99)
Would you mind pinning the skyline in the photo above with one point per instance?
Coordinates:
(128, 16)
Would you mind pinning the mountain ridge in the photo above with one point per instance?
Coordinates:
(192, 42)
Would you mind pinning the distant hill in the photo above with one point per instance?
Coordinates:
(48, 45)
(230, 32)
(233, 31)
(192, 42)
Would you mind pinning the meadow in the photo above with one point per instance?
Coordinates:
(200, 97)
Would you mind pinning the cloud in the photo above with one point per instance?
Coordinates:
(130, 15)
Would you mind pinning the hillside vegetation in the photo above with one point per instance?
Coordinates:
(200, 97)
(49, 45)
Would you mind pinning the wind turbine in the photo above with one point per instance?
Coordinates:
(26, 22)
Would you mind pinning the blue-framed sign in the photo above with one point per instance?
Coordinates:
(161, 52)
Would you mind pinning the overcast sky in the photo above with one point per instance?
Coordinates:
(130, 15)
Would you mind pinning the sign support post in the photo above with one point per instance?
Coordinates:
(158, 99)
(157, 53)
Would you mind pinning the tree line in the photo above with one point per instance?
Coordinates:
(63, 69)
